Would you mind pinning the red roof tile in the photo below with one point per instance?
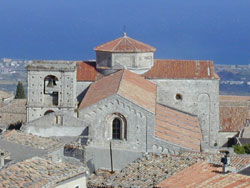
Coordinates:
(234, 112)
(203, 174)
(178, 128)
(125, 44)
(86, 71)
(181, 69)
(233, 118)
(234, 98)
(122, 83)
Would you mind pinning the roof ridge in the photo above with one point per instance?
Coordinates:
(130, 42)
(120, 39)
(120, 81)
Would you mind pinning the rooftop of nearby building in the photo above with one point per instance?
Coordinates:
(37, 142)
(181, 69)
(16, 106)
(234, 98)
(152, 169)
(86, 71)
(145, 172)
(5, 95)
(125, 44)
(234, 112)
(38, 172)
(122, 83)
(13, 112)
(204, 174)
(178, 127)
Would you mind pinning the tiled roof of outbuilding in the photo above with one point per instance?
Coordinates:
(234, 98)
(152, 169)
(4, 95)
(233, 118)
(125, 44)
(234, 111)
(13, 112)
(86, 71)
(181, 69)
(203, 174)
(125, 83)
(38, 172)
(178, 128)
(18, 137)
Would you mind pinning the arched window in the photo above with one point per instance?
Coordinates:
(50, 81)
(116, 129)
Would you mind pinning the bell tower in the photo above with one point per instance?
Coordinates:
(51, 87)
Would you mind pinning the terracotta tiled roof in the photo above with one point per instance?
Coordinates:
(178, 128)
(152, 169)
(18, 137)
(38, 172)
(203, 174)
(125, 44)
(237, 162)
(145, 172)
(181, 69)
(234, 112)
(233, 118)
(86, 71)
(13, 112)
(234, 98)
(4, 95)
(122, 83)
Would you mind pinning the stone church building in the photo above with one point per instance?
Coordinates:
(126, 100)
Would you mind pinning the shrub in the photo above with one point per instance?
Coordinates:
(247, 148)
(239, 149)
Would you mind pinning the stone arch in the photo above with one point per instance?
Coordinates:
(50, 89)
(50, 81)
(48, 112)
(109, 131)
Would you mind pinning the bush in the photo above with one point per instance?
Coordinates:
(247, 148)
(239, 149)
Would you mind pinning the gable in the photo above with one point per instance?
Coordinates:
(126, 84)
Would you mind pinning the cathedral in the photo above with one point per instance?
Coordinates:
(127, 100)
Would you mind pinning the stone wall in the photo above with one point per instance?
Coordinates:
(139, 123)
(198, 97)
(128, 60)
(56, 124)
(139, 128)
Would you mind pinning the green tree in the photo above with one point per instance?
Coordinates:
(20, 91)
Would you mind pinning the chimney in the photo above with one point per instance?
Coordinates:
(226, 162)
(1, 159)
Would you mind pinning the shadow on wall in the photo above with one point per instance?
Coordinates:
(82, 94)
(15, 126)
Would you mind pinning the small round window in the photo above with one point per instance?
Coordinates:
(178, 97)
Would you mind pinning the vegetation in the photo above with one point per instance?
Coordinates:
(244, 149)
(20, 91)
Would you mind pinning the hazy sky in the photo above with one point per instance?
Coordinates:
(218, 30)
